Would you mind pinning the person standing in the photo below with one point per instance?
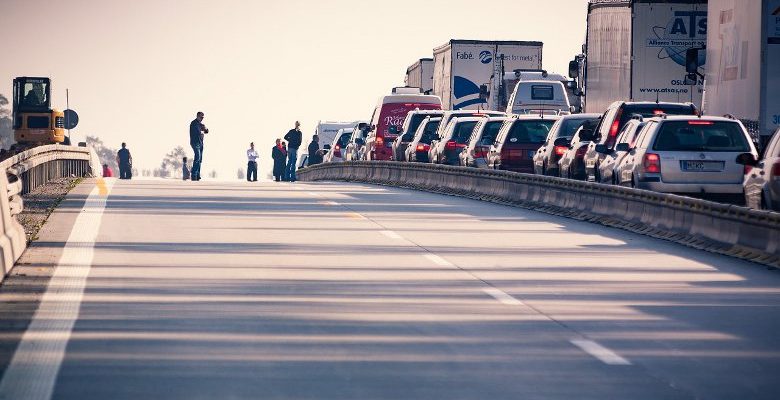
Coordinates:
(185, 169)
(251, 167)
(315, 154)
(125, 161)
(197, 132)
(279, 155)
(294, 139)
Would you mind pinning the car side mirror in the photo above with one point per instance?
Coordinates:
(561, 141)
(747, 159)
(622, 147)
(602, 148)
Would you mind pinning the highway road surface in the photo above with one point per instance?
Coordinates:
(161, 289)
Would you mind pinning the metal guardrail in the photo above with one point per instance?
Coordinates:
(721, 228)
(26, 171)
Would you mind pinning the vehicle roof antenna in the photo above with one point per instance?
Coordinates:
(657, 97)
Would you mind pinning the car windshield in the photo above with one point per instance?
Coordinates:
(701, 136)
(463, 131)
(415, 122)
(569, 127)
(490, 132)
(534, 131)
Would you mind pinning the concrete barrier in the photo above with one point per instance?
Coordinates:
(23, 173)
(725, 229)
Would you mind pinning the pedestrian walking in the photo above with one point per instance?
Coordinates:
(197, 132)
(315, 154)
(185, 169)
(294, 140)
(279, 155)
(125, 161)
(251, 167)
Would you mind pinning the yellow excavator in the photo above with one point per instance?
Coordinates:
(35, 122)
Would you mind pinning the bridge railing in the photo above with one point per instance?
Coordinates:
(26, 171)
(726, 229)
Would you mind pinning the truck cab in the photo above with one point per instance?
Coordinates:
(34, 121)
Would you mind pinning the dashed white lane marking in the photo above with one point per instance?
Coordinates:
(329, 203)
(392, 235)
(312, 194)
(34, 367)
(355, 215)
(503, 297)
(438, 260)
(604, 354)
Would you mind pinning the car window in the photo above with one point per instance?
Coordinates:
(490, 132)
(570, 125)
(701, 136)
(534, 131)
(344, 139)
(429, 132)
(462, 131)
(773, 150)
(644, 135)
(606, 122)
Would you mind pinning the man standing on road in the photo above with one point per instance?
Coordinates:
(125, 161)
(315, 154)
(197, 131)
(294, 139)
(251, 167)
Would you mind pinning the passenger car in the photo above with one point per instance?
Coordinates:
(408, 129)
(546, 158)
(688, 155)
(483, 136)
(417, 150)
(446, 149)
(762, 177)
(338, 146)
(517, 142)
(612, 158)
(357, 142)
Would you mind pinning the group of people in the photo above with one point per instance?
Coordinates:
(285, 154)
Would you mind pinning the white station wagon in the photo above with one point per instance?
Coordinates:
(687, 155)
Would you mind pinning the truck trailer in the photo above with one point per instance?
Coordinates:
(635, 50)
(420, 75)
(743, 69)
(462, 66)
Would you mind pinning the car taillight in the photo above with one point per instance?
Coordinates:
(776, 171)
(337, 151)
(613, 130)
(560, 150)
(380, 141)
(652, 163)
(701, 123)
(746, 170)
(423, 147)
(450, 145)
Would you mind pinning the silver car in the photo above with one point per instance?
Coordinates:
(688, 155)
(338, 148)
(612, 158)
(483, 136)
(357, 142)
(762, 177)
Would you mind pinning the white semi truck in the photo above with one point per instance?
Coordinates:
(420, 75)
(462, 66)
(743, 63)
(635, 50)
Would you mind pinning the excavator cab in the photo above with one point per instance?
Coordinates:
(34, 120)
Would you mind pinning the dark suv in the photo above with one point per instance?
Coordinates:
(612, 122)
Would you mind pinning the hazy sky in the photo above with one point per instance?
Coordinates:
(139, 70)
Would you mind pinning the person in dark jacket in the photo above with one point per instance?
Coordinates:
(315, 154)
(294, 140)
(125, 161)
(197, 131)
(279, 155)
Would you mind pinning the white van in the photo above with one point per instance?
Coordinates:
(539, 97)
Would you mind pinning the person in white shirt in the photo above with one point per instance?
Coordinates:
(251, 167)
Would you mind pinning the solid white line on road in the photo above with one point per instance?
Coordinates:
(503, 297)
(604, 354)
(355, 215)
(438, 260)
(34, 367)
(312, 194)
(391, 235)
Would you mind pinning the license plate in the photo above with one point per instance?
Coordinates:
(703, 166)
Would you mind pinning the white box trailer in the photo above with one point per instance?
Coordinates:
(420, 74)
(462, 66)
(743, 69)
(635, 50)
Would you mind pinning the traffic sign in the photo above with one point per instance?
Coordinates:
(71, 119)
